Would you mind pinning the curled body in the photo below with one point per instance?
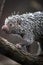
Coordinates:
(29, 26)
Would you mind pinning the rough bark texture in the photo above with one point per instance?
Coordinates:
(9, 50)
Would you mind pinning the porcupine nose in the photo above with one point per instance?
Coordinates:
(5, 28)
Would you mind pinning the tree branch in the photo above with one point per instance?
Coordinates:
(9, 50)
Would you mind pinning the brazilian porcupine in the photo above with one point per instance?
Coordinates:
(29, 26)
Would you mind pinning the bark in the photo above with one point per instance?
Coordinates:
(24, 58)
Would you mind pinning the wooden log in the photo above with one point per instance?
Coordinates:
(24, 58)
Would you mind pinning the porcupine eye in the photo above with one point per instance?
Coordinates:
(10, 24)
